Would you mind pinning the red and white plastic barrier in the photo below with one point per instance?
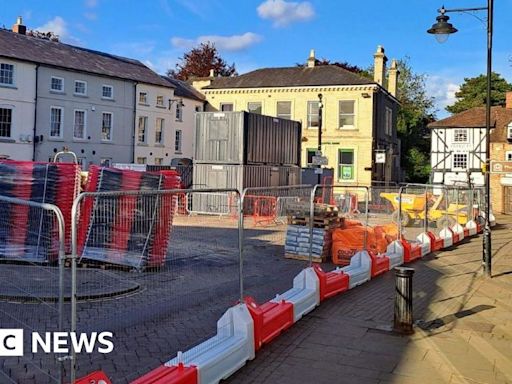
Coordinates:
(359, 270)
(395, 252)
(331, 283)
(168, 375)
(447, 235)
(425, 243)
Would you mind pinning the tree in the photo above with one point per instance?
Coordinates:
(199, 61)
(473, 92)
(342, 64)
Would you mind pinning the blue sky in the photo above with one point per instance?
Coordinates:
(271, 33)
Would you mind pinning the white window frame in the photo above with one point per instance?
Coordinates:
(509, 131)
(158, 98)
(508, 156)
(111, 126)
(284, 116)
(463, 132)
(62, 84)
(85, 124)
(353, 165)
(162, 125)
(145, 119)
(255, 103)
(13, 84)
(160, 162)
(11, 108)
(221, 105)
(455, 161)
(111, 92)
(353, 114)
(145, 100)
(142, 160)
(178, 141)
(85, 88)
(179, 111)
(61, 122)
(308, 113)
(107, 159)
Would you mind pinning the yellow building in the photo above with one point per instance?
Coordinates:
(359, 115)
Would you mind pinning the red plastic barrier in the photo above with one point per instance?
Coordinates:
(479, 228)
(466, 232)
(412, 251)
(169, 375)
(96, 377)
(331, 283)
(270, 319)
(436, 243)
(380, 263)
(456, 236)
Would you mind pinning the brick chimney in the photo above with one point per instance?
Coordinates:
(311, 59)
(393, 74)
(19, 27)
(379, 65)
(508, 100)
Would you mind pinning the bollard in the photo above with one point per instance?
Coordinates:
(403, 301)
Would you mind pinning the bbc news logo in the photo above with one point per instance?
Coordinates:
(11, 342)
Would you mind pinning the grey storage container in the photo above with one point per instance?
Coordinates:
(246, 138)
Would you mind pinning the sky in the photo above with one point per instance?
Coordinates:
(277, 33)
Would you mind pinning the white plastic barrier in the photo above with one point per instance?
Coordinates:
(395, 252)
(472, 228)
(359, 269)
(459, 230)
(425, 243)
(219, 357)
(305, 294)
(447, 235)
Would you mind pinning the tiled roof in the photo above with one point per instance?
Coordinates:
(36, 50)
(321, 75)
(183, 89)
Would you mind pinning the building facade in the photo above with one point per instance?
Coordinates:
(359, 115)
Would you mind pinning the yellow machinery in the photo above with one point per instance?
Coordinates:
(413, 209)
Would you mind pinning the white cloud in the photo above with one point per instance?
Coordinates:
(224, 43)
(283, 12)
(91, 3)
(90, 16)
(163, 62)
(443, 90)
(59, 27)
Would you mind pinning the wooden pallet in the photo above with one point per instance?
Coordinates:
(315, 259)
(326, 223)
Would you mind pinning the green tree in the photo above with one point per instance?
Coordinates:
(199, 61)
(473, 92)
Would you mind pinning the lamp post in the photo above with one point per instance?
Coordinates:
(320, 121)
(442, 29)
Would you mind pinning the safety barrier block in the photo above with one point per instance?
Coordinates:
(270, 319)
(220, 356)
(380, 263)
(425, 243)
(458, 233)
(98, 377)
(305, 294)
(447, 235)
(359, 269)
(472, 227)
(466, 232)
(331, 283)
(436, 242)
(165, 374)
(395, 252)
(412, 251)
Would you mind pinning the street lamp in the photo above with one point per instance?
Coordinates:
(319, 150)
(441, 29)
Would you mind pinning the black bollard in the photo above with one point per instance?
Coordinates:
(403, 300)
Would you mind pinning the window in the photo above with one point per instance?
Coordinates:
(159, 160)
(105, 161)
(199, 108)
(6, 74)
(509, 132)
(141, 160)
(177, 141)
(57, 84)
(106, 126)
(159, 128)
(226, 107)
(80, 87)
(254, 107)
(460, 160)
(5, 122)
(346, 164)
(284, 109)
(508, 155)
(312, 114)
(347, 114)
(389, 122)
(79, 124)
(143, 98)
(460, 135)
(56, 114)
(160, 101)
(141, 131)
(310, 153)
(179, 111)
(107, 92)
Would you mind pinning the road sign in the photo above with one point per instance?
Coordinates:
(501, 166)
(320, 160)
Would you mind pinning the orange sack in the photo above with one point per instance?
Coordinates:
(346, 242)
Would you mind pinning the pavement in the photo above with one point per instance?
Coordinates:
(463, 327)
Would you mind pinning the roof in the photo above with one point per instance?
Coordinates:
(501, 117)
(36, 50)
(183, 89)
(320, 75)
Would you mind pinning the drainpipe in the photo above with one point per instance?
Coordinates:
(35, 118)
(134, 120)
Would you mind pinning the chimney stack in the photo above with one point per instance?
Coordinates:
(212, 72)
(508, 100)
(379, 66)
(393, 78)
(311, 59)
(19, 27)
